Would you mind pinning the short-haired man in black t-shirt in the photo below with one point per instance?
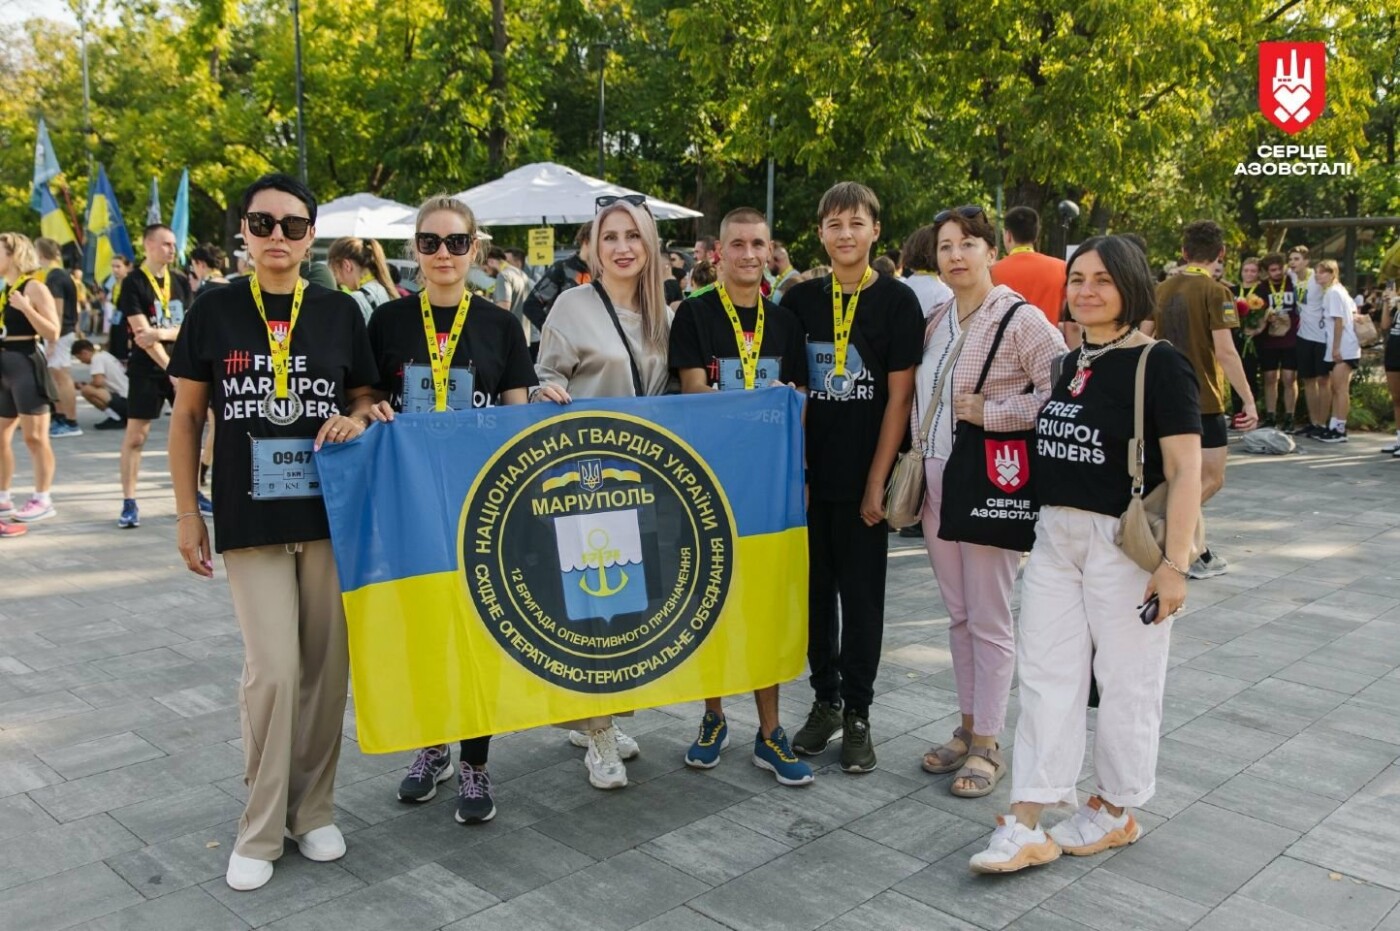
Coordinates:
(60, 351)
(153, 301)
(864, 339)
(733, 338)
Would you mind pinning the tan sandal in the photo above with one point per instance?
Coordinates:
(984, 781)
(944, 759)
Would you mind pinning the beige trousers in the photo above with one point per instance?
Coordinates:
(292, 696)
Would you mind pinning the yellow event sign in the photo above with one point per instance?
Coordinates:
(541, 246)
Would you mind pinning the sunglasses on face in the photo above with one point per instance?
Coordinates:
(457, 243)
(607, 200)
(262, 225)
(970, 211)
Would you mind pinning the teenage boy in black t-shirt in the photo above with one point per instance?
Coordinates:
(732, 338)
(153, 302)
(864, 339)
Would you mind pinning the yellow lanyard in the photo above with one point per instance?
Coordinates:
(281, 350)
(1019, 249)
(163, 294)
(1193, 270)
(841, 323)
(440, 362)
(748, 351)
(5, 303)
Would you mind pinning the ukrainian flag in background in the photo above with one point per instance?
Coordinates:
(517, 566)
(107, 234)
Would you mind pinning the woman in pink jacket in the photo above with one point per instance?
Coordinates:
(976, 580)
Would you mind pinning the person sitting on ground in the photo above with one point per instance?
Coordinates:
(107, 385)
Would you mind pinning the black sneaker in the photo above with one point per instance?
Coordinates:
(431, 766)
(1303, 429)
(857, 746)
(823, 723)
(110, 424)
(1331, 436)
(474, 802)
(1267, 421)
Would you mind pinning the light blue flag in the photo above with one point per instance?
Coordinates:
(180, 217)
(45, 167)
(153, 204)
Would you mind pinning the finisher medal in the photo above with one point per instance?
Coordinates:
(839, 385)
(283, 412)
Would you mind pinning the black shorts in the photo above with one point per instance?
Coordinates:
(1312, 359)
(1354, 363)
(1215, 431)
(21, 389)
(117, 405)
(149, 393)
(1392, 353)
(1273, 360)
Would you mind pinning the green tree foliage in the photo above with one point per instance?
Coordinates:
(1138, 111)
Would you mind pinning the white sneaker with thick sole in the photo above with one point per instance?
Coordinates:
(1014, 847)
(1092, 830)
(246, 874)
(627, 747)
(321, 844)
(605, 768)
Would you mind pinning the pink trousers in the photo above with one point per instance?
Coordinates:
(976, 583)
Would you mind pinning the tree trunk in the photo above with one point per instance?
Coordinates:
(496, 137)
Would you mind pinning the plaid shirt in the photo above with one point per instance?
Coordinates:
(1027, 349)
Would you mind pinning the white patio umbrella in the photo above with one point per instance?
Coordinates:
(548, 193)
(364, 215)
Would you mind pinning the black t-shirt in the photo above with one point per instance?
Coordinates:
(672, 287)
(224, 344)
(138, 299)
(887, 336)
(65, 295)
(16, 323)
(703, 337)
(1081, 448)
(492, 345)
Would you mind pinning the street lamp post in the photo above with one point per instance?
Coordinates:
(301, 98)
(602, 49)
(772, 121)
(88, 131)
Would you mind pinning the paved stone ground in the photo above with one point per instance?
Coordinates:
(1278, 799)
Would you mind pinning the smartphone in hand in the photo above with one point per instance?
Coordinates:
(1147, 611)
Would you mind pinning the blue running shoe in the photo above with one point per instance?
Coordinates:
(131, 515)
(431, 766)
(205, 505)
(775, 755)
(714, 737)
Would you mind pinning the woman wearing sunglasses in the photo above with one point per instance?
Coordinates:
(986, 336)
(610, 340)
(284, 366)
(444, 349)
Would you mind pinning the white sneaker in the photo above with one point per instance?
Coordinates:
(321, 844)
(627, 747)
(605, 769)
(246, 874)
(1014, 847)
(1092, 830)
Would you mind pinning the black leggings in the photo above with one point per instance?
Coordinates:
(474, 751)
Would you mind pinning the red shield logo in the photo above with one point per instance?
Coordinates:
(1292, 83)
(279, 330)
(1008, 464)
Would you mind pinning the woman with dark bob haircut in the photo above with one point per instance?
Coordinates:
(1084, 603)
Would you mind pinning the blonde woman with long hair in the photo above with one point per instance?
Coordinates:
(610, 339)
(27, 315)
(362, 271)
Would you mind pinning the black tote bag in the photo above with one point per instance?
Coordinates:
(987, 493)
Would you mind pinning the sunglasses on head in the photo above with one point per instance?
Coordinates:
(457, 243)
(607, 200)
(970, 211)
(262, 225)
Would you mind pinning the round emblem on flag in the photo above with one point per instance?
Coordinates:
(598, 551)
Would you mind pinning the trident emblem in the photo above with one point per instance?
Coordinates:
(597, 558)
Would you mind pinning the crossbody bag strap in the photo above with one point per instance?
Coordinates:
(626, 343)
(936, 398)
(996, 344)
(1137, 446)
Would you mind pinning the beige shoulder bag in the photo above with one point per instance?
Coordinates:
(1142, 530)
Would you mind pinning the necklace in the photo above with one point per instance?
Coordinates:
(1087, 357)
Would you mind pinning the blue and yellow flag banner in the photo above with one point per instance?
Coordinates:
(52, 222)
(518, 566)
(107, 233)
